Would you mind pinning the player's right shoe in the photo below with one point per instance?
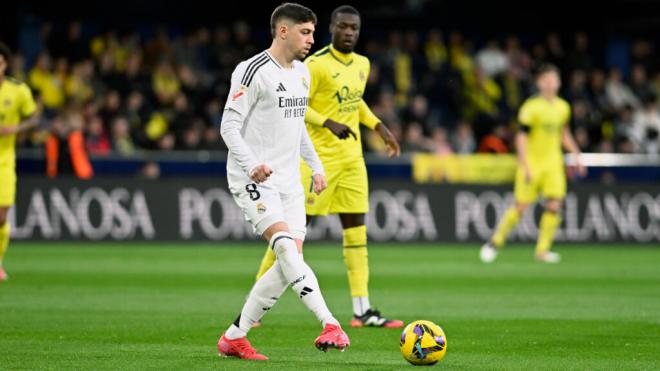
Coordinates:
(548, 257)
(239, 348)
(3, 275)
(488, 252)
(332, 337)
(372, 318)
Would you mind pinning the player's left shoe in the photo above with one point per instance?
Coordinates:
(548, 257)
(488, 252)
(332, 337)
(239, 348)
(3, 275)
(373, 318)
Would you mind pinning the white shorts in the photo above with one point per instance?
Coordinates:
(263, 205)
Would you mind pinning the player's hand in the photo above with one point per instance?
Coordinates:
(581, 169)
(260, 173)
(319, 183)
(340, 130)
(393, 149)
(528, 174)
(8, 130)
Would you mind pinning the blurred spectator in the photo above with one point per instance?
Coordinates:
(435, 50)
(43, 80)
(646, 126)
(78, 85)
(96, 139)
(65, 147)
(463, 139)
(639, 83)
(579, 58)
(111, 107)
(150, 170)
(212, 140)
(618, 93)
(441, 144)
(165, 83)
(122, 143)
(414, 140)
(495, 142)
(492, 60)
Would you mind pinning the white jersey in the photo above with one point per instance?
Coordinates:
(264, 123)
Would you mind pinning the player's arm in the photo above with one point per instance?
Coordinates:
(370, 120)
(525, 120)
(569, 144)
(241, 99)
(28, 112)
(28, 123)
(308, 153)
(522, 153)
(317, 75)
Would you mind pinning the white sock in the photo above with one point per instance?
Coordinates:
(360, 305)
(265, 293)
(301, 277)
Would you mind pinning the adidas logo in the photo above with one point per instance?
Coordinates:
(280, 87)
(306, 290)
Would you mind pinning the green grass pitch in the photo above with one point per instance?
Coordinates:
(145, 306)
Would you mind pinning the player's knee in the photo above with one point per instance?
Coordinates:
(351, 220)
(553, 206)
(521, 208)
(284, 246)
(3, 217)
(273, 229)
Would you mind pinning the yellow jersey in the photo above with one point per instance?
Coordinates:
(337, 84)
(545, 122)
(16, 103)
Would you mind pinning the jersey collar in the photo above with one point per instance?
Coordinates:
(343, 58)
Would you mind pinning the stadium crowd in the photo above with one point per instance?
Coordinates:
(440, 93)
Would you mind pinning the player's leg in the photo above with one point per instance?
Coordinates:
(352, 203)
(554, 191)
(314, 204)
(294, 212)
(550, 220)
(525, 193)
(4, 239)
(7, 197)
(262, 208)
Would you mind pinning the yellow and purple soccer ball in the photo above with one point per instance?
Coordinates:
(423, 343)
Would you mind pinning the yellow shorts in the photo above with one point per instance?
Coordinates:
(347, 192)
(7, 186)
(548, 181)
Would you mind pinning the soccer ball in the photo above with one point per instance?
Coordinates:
(423, 343)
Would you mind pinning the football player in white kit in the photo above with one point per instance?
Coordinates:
(263, 126)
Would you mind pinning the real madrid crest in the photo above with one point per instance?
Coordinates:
(261, 208)
(304, 82)
(362, 76)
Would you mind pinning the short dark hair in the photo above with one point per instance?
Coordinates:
(5, 52)
(292, 11)
(344, 9)
(546, 67)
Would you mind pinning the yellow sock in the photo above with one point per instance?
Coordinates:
(356, 259)
(4, 240)
(508, 222)
(547, 228)
(266, 262)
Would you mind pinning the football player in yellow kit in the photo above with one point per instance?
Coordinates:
(543, 120)
(17, 114)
